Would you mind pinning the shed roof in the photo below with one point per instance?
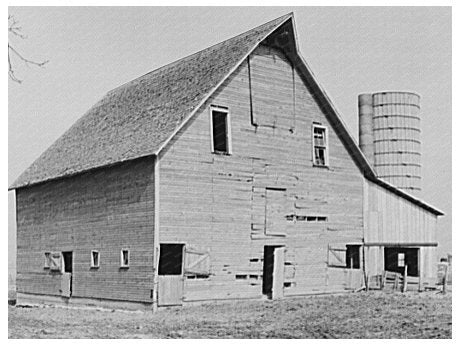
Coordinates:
(139, 118)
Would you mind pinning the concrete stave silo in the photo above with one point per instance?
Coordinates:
(390, 137)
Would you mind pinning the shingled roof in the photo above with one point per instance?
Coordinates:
(139, 118)
(135, 119)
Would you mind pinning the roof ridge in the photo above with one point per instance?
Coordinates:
(170, 64)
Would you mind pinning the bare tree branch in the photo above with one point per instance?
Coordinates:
(26, 61)
(16, 30)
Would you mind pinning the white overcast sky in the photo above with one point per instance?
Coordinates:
(350, 50)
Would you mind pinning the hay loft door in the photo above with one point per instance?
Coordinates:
(273, 276)
(170, 274)
(275, 212)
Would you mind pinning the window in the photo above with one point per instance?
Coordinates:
(316, 219)
(401, 260)
(320, 154)
(220, 130)
(124, 258)
(352, 256)
(47, 260)
(94, 259)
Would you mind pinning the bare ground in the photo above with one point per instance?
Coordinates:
(360, 315)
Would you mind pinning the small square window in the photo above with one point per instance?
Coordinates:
(94, 259)
(47, 260)
(320, 154)
(124, 258)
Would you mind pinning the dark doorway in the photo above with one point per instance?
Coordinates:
(67, 256)
(273, 278)
(68, 268)
(267, 283)
(397, 258)
(352, 256)
(170, 259)
(170, 274)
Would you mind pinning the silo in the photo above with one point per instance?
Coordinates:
(396, 154)
(366, 133)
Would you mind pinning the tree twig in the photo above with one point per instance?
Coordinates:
(16, 30)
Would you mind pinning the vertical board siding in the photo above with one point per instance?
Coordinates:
(218, 201)
(106, 210)
(400, 221)
(393, 219)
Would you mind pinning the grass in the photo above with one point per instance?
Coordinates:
(360, 315)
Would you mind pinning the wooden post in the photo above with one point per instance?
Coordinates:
(404, 287)
(396, 283)
(444, 284)
(350, 274)
(156, 229)
(382, 280)
(420, 272)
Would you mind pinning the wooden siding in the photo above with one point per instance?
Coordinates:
(106, 210)
(391, 220)
(217, 202)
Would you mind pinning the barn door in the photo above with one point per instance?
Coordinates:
(273, 276)
(275, 212)
(66, 281)
(197, 262)
(170, 275)
(278, 272)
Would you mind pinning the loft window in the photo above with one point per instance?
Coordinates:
(352, 256)
(320, 154)
(220, 130)
(94, 259)
(124, 258)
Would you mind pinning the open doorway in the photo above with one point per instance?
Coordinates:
(396, 258)
(273, 272)
(66, 287)
(170, 274)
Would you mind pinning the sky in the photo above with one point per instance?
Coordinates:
(351, 50)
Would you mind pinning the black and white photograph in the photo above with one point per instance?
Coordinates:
(229, 172)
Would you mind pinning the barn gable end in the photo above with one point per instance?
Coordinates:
(266, 192)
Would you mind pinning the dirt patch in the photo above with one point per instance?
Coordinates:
(360, 315)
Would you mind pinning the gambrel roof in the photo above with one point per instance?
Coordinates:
(139, 118)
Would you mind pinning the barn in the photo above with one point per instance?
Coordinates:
(227, 174)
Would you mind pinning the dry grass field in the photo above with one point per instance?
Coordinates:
(360, 315)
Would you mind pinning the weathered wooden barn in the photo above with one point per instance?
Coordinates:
(227, 174)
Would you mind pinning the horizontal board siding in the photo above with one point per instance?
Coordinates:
(218, 201)
(106, 211)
